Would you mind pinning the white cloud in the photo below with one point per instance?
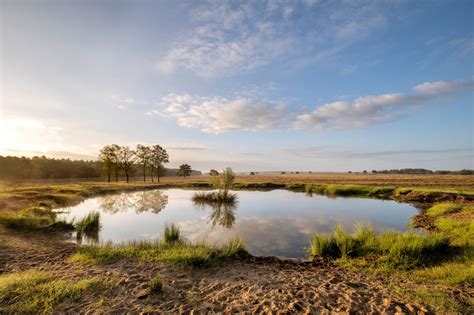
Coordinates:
(367, 110)
(232, 37)
(218, 115)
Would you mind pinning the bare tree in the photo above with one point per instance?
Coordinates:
(127, 158)
(184, 170)
(159, 156)
(143, 154)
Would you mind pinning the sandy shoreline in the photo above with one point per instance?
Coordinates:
(247, 284)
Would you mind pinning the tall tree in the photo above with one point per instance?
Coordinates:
(106, 157)
(143, 154)
(127, 158)
(184, 170)
(115, 151)
(159, 156)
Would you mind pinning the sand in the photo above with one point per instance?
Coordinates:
(244, 285)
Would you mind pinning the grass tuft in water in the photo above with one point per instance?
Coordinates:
(172, 234)
(89, 226)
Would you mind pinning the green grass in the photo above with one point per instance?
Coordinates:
(156, 284)
(172, 234)
(434, 297)
(402, 250)
(461, 230)
(38, 292)
(457, 271)
(447, 208)
(180, 252)
(33, 219)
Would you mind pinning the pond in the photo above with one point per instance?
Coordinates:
(272, 223)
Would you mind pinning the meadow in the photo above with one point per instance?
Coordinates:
(418, 269)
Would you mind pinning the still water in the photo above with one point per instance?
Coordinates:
(273, 223)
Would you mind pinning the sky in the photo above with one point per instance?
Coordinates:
(264, 85)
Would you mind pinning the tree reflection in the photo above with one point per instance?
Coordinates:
(152, 200)
(223, 213)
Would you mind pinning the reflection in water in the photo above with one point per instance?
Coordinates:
(144, 201)
(88, 237)
(277, 222)
(223, 213)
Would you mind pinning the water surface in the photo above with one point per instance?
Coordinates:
(273, 223)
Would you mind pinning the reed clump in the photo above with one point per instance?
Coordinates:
(403, 250)
(180, 252)
(89, 226)
(172, 234)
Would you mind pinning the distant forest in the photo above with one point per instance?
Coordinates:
(423, 171)
(41, 167)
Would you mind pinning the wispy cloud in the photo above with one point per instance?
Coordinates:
(231, 37)
(218, 115)
(328, 152)
(185, 148)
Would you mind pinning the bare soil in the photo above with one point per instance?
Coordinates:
(247, 284)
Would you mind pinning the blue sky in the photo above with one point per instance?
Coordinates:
(255, 85)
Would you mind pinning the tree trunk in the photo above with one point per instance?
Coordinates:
(144, 172)
(126, 174)
(116, 172)
(109, 172)
(152, 170)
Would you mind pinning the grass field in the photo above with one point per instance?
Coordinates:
(446, 182)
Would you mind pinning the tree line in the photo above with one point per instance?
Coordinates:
(150, 160)
(115, 162)
(41, 167)
(423, 171)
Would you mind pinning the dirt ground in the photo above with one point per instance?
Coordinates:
(248, 284)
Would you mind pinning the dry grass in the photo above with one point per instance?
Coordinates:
(19, 195)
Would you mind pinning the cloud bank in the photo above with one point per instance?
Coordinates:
(218, 115)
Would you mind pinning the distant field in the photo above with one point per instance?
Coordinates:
(462, 182)
(429, 181)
